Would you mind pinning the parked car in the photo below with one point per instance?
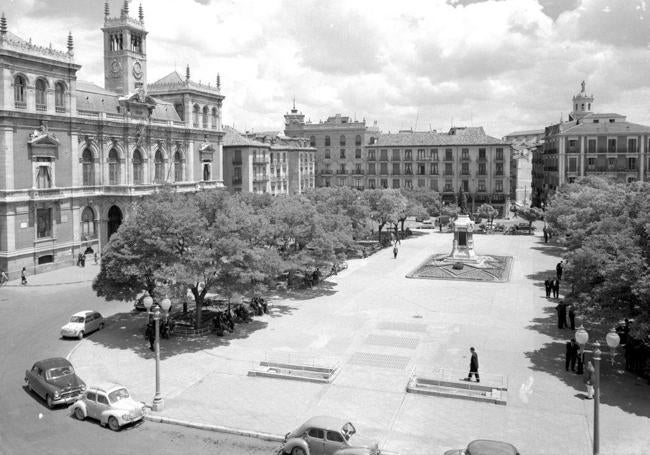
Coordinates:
(82, 323)
(485, 447)
(327, 436)
(109, 403)
(55, 381)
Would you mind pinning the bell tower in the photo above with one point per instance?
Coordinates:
(581, 104)
(125, 51)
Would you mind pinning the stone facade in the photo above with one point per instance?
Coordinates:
(75, 156)
(524, 144)
(591, 144)
(340, 147)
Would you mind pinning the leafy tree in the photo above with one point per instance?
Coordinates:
(529, 214)
(488, 212)
(385, 207)
(429, 199)
(413, 206)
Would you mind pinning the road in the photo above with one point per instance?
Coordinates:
(30, 319)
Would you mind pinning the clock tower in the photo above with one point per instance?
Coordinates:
(125, 52)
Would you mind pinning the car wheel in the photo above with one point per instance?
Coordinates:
(81, 335)
(49, 401)
(113, 424)
(79, 414)
(298, 451)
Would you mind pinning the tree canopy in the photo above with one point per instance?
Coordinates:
(605, 227)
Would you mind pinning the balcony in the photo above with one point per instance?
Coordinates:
(41, 107)
(260, 178)
(236, 181)
(465, 158)
(326, 172)
(372, 158)
(482, 159)
(236, 162)
(383, 158)
(408, 158)
(395, 158)
(341, 172)
(20, 105)
(358, 172)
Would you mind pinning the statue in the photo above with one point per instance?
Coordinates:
(582, 84)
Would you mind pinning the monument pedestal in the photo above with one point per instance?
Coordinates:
(463, 247)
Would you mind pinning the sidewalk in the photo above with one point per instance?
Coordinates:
(62, 276)
(378, 326)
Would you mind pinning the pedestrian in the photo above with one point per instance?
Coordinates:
(561, 315)
(572, 317)
(473, 366)
(559, 269)
(315, 276)
(555, 286)
(395, 252)
(547, 287)
(572, 352)
(4, 278)
(79, 260)
(23, 276)
(150, 335)
(83, 260)
(96, 258)
(590, 379)
(545, 230)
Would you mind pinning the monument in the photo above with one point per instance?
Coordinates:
(463, 246)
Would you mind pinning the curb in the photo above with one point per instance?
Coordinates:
(34, 285)
(215, 428)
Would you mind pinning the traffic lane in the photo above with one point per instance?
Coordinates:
(30, 321)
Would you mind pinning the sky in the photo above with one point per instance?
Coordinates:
(506, 65)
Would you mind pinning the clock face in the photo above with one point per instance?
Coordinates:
(137, 70)
(116, 68)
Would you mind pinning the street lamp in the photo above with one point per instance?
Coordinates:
(613, 340)
(158, 402)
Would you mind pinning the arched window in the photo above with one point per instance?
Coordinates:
(196, 115)
(113, 168)
(178, 167)
(41, 95)
(205, 116)
(137, 168)
(327, 141)
(159, 170)
(312, 141)
(88, 164)
(342, 140)
(215, 118)
(20, 91)
(88, 223)
(357, 140)
(59, 97)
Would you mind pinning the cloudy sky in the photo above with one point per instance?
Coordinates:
(503, 64)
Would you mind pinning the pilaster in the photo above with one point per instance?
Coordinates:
(74, 158)
(7, 158)
(582, 156)
(642, 156)
(190, 162)
(561, 158)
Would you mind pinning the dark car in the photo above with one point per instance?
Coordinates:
(485, 447)
(55, 381)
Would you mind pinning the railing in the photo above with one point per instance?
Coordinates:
(236, 181)
(327, 172)
(340, 172)
(20, 104)
(395, 158)
(59, 109)
(41, 107)
(358, 172)
(372, 158)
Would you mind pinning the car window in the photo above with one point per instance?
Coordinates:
(36, 369)
(316, 433)
(59, 372)
(91, 396)
(118, 395)
(334, 436)
(102, 399)
(77, 319)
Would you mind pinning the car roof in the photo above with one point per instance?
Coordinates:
(324, 422)
(488, 447)
(106, 387)
(53, 363)
(84, 313)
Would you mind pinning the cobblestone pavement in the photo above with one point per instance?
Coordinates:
(379, 327)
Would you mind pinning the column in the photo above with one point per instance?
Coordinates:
(561, 158)
(75, 143)
(582, 155)
(218, 161)
(642, 156)
(190, 162)
(6, 158)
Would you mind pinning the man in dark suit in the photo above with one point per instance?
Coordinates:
(572, 353)
(572, 317)
(555, 287)
(473, 366)
(559, 269)
(547, 287)
(561, 315)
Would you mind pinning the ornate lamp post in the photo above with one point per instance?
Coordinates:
(613, 340)
(158, 402)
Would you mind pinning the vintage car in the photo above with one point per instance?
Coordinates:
(81, 324)
(485, 447)
(325, 435)
(55, 381)
(111, 404)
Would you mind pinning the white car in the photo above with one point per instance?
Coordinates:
(109, 403)
(82, 323)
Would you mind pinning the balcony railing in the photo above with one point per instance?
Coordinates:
(372, 158)
(59, 109)
(41, 107)
(341, 171)
(20, 105)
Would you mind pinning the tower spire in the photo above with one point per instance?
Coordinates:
(218, 82)
(107, 10)
(70, 44)
(140, 13)
(125, 9)
(3, 25)
(294, 102)
(187, 73)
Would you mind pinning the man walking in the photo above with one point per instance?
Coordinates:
(547, 287)
(561, 315)
(572, 317)
(23, 276)
(545, 230)
(559, 269)
(473, 366)
(395, 252)
(572, 350)
(555, 286)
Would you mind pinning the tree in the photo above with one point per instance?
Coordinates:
(529, 214)
(385, 207)
(488, 212)
(429, 199)
(413, 206)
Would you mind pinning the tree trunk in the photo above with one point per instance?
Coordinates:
(381, 226)
(402, 222)
(198, 304)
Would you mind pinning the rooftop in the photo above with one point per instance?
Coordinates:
(455, 136)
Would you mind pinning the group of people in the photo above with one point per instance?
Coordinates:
(574, 361)
(563, 310)
(23, 277)
(552, 285)
(547, 233)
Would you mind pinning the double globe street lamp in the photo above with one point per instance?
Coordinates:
(612, 339)
(158, 402)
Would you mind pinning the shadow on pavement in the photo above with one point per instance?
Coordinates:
(538, 278)
(619, 388)
(549, 249)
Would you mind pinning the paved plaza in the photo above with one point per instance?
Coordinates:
(380, 327)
